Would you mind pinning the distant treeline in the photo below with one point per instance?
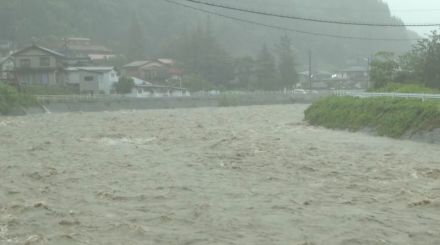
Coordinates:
(209, 66)
(419, 67)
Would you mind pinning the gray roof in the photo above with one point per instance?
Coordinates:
(138, 63)
(3, 59)
(96, 69)
(53, 52)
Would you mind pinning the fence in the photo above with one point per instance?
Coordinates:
(89, 97)
(75, 98)
(201, 94)
(393, 95)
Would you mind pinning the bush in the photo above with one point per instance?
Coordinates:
(124, 86)
(388, 116)
(10, 99)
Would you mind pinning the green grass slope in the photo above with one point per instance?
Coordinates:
(390, 117)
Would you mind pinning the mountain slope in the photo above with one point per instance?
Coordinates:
(108, 21)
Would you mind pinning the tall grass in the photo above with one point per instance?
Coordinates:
(391, 117)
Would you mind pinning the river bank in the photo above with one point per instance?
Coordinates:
(392, 117)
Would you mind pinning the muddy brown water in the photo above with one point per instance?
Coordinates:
(245, 175)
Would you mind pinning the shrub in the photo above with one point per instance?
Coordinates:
(10, 99)
(125, 85)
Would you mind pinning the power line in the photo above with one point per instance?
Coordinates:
(288, 29)
(414, 10)
(363, 10)
(338, 22)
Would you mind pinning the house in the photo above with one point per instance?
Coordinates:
(354, 77)
(158, 71)
(355, 73)
(93, 80)
(6, 68)
(78, 61)
(318, 80)
(36, 65)
(146, 89)
(78, 47)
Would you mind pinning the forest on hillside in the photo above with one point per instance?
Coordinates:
(162, 23)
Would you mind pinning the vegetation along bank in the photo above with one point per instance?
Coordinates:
(11, 99)
(392, 117)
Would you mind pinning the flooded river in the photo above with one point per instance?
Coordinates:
(245, 175)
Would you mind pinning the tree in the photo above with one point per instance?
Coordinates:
(136, 41)
(245, 71)
(383, 69)
(423, 61)
(124, 86)
(201, 54)
(265, 70)
(286, 63)
(195, 82)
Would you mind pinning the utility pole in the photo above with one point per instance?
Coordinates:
(310, 69)
(369, 59)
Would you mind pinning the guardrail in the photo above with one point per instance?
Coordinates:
(75, 97)
(393, 95)
(89, 97)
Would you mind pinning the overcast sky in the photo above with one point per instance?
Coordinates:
(416, 11)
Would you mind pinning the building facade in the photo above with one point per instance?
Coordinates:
(36, 65)
(157, 71)
(92, 80)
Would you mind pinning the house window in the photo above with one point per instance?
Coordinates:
(44, 61)
(25, 63)
(88, 78)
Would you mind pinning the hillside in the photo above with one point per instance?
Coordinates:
(108, 21)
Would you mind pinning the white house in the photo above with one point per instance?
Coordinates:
(95, 80)
(146, 89)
